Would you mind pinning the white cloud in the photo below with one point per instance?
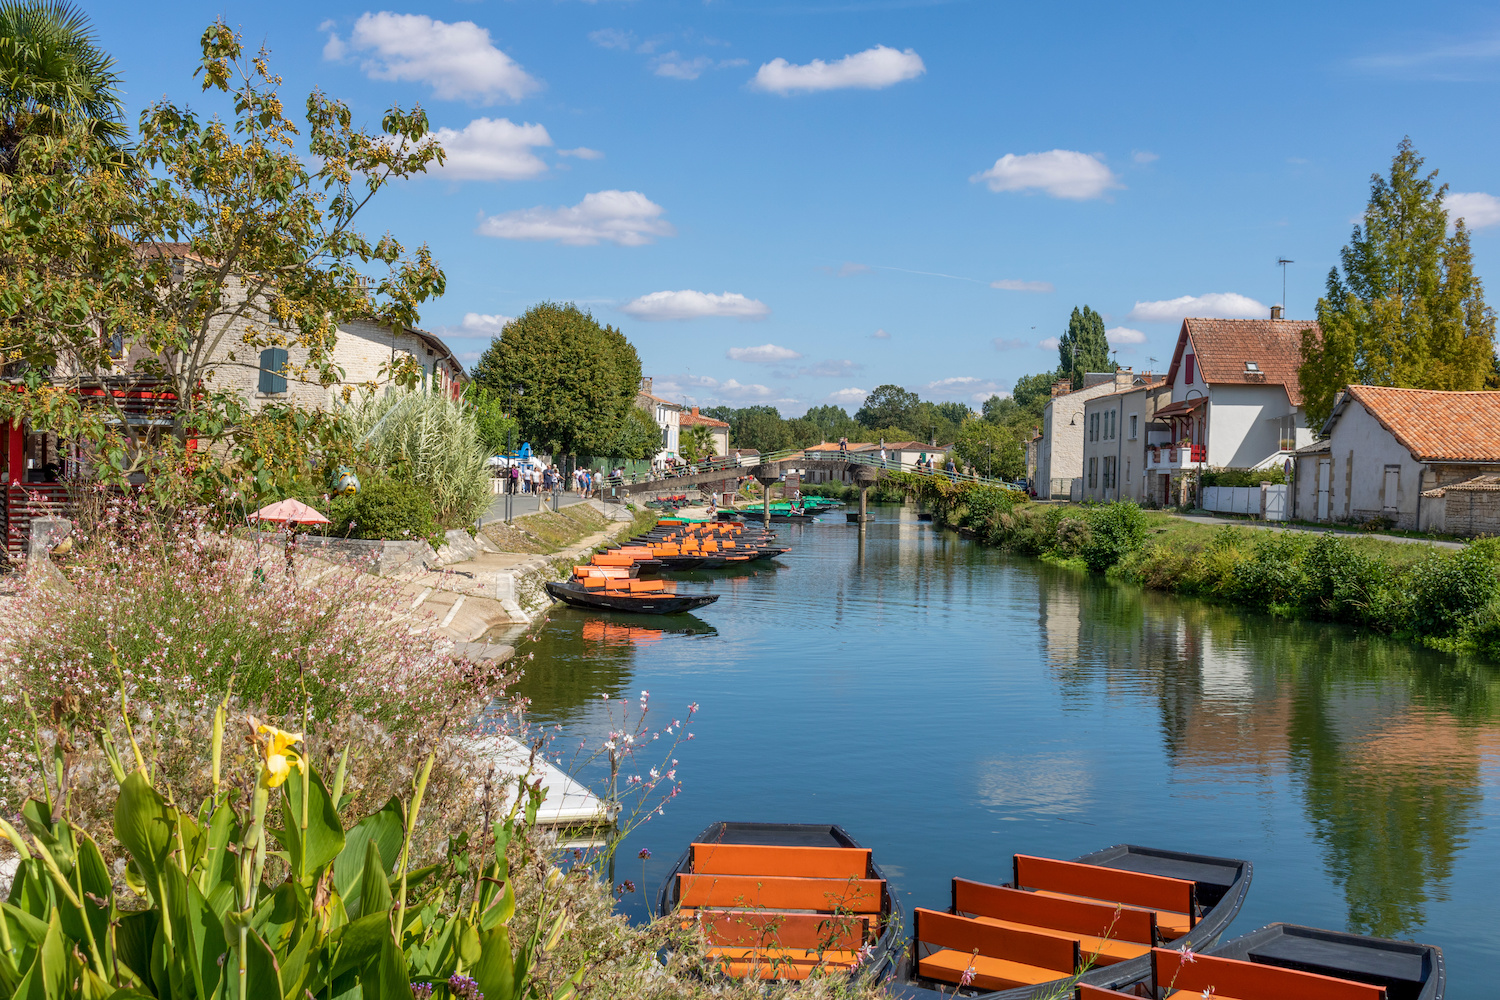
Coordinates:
(628, 218)
(1062, 173)
(1124, 335)
(1143, 157)
(849, 268)
(871, 69)
(492, 150)
(1002, 344)
(1014, 285)
(963, 387)
(736, 390)
(613, 38)
(765, 353)
(1213, 305)
(457, 60)
(582, 152)
(880, 335)
(848, 397)
(1050, 343)
(484, 324)
(1477, 209)
(832, 368)
(688, 304)
(679, 67)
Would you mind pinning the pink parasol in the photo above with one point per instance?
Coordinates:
(289, 512)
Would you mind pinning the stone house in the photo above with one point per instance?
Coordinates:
(1114, 439)
(1471, 507)
(1399, 453)
(1235, 402)
(1059, 453)
(718, 428)
(668, 417)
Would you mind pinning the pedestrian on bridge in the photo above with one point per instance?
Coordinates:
(843, 450)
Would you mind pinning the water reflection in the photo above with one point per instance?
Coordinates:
(1386, 743)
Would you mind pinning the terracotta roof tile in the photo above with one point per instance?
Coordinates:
(689, 419)
(1479, 484)
(1437, 426)
(1223, 346)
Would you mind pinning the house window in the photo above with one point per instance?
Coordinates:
(1289, 433)
(117, 344)
(1109, 472)
(1127, 472)
(1093, 473)
(1134, 418)
(273, 370)
(1188, 369)
(1094, 427)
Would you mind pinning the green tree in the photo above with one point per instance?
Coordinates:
(53, 77)
(1084, 347)
(803, 432)
(697, 442)
(216, 238)
(1000, 409)
(990, 448)
(833, 422)
(1033, 392)
(497, 428)
(573, 381)
(1408, 309)
(887, 406)
(637, 439)
(759, 427)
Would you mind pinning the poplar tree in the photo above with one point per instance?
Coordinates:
(1407, 309)
(1084, 348)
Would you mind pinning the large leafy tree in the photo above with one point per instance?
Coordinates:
(570, 381)
(1407, 309)
(759, 427)
(53, 77)
(637, 439)
(216, 239)
(832, 422)
(1084, 347)
(1032, 393)
(990, 448)
(888, 406)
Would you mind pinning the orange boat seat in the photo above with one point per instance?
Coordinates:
(771, 929)
(1233, 979)
(780, 893)
(1001, 958)
(794, 862)
(1173, 899)
(1108, 933)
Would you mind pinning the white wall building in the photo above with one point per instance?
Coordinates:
(1059, 452)
(668, 417)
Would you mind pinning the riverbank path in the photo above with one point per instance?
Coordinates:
(1318, 530)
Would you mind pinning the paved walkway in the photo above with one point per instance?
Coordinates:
(1263, 526)
(525, 503)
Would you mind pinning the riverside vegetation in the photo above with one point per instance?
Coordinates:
(1446, 599)
(351, 839)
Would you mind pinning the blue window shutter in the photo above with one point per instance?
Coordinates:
(272, 364)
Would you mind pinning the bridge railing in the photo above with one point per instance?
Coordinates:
(742, 465)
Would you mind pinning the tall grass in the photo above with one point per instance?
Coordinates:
(434, 439)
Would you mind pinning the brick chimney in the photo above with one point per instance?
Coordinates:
(695, 411)
(1275, 312)
(1124, 378)
(646, 384)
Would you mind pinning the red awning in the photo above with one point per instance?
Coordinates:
(1183, 408)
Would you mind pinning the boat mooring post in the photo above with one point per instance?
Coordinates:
(766, 474)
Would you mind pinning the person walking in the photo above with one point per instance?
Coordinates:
(843, 449)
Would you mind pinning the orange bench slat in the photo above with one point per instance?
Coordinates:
(1155, 892)
(797, 862)
(764, 928)
(988, 973)
(961, 934)
(1100, 920)
(776, 893)
(1233, 977)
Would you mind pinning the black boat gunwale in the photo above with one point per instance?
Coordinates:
(598, 600)
(1244, 947)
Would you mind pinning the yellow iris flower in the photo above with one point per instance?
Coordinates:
(280, 757)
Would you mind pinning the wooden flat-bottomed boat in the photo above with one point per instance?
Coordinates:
(639, 597)
(785, 901)
(1288, 962)
(1092, 920)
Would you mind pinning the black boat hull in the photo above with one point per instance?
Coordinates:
(1407, 970)
(663, 604)
(885, 954)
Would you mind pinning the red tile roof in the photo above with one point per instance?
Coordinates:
(1437, 426)
(689, 419)
(1223, 346)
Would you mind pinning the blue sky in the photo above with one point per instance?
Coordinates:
(793, 202)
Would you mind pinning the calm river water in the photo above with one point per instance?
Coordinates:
(950, 706)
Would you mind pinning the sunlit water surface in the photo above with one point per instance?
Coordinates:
(950, 705)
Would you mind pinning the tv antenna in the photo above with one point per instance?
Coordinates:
(1282, 262)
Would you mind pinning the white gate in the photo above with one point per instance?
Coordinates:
(1325, 480)
(1276, 503)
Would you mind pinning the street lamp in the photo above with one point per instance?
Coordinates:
(517, 389)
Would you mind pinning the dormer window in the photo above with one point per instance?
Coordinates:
(1252, 367)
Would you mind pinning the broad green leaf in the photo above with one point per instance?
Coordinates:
(278, 915)
(295, 968)
(495, 971)
(358, 942)
(386, 829)
(26, 934)
(503, 909)
(94, 876)
(469, 948)
(386, 978)
(143, 823)
(262, 977)
(134, 935)
(31, 890)
(48, 976)
(374, 891)
(217, 867)
(198, 933)
(325, 835)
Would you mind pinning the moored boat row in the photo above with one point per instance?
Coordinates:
(786, 901)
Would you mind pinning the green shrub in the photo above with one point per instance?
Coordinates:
(1072, 537)
(1115, 530)
(1344, 584)
(1273, 573)
(1242, 477)
(391, 509)
(1445, 590)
